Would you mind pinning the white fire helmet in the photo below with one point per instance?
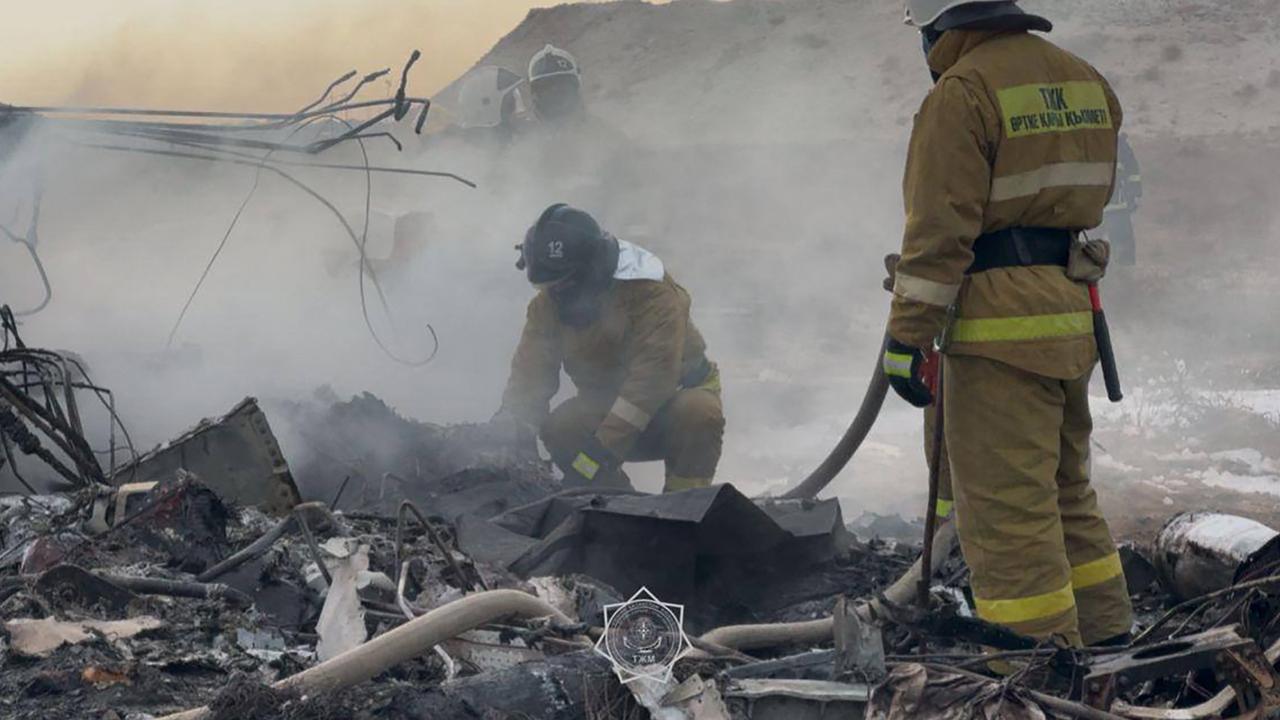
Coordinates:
(488, 96)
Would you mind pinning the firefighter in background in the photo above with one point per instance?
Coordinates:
(1012, 154)
(490, 103)
(1117, 220)
(608, 313)
(559, 110)
(555, 84)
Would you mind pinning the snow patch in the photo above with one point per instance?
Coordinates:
(1265, 484)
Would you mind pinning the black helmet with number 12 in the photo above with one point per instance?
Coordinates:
(568, 254)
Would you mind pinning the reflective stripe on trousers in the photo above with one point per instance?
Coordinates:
(1047, 605)
(1042, 558)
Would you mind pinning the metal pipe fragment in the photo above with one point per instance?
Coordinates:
(320, 518)
(405, 642)
(1211, 708)
(1197, 553)
(254, 550)
(178, 588)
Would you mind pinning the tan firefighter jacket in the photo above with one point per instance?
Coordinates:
(631, 360)
(1016, 133)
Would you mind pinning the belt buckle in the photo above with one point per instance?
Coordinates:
(1020, 246)
(943, 341)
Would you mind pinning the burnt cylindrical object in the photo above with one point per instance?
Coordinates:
(1200, 552)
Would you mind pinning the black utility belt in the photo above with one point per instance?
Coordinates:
(1021, 247)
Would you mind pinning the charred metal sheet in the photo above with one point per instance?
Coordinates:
(812, 665)
(489, 542)
(1237, 659)
(705, 544)
(1139, 572)
(237, 456)
(558, 688)
(766, 699)
(817, 525)
(859, 643)
(539, 518)
(1197, 553)
(482, 492)
(711, 549)
(69, 585)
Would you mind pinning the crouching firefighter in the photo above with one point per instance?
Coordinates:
(609, 314)
(1012, 155)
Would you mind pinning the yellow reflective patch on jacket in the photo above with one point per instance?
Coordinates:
(1096, 572)
(1035, 607)
(1054, 108)
(712, 383)
(898, 365)
(943, 508)
(586, 466)
(1030, 327)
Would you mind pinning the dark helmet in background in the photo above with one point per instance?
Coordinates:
(555, 83)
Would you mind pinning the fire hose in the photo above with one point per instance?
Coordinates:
(853, 437)
(406, 642)
(901, 592)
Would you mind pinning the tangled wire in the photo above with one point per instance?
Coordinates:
(234, 143)
(38, 399)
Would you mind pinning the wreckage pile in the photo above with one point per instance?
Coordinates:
(408, 570)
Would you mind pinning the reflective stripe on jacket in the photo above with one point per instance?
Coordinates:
(1016, 133)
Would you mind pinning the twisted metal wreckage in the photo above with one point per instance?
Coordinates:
(475, 588)
(196, 573)
(193, 135)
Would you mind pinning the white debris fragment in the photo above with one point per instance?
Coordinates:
(39, 638)
(341, 625)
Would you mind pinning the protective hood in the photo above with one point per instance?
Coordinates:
(636, 263)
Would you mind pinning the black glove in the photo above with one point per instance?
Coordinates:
(913, 373)
(591, 461)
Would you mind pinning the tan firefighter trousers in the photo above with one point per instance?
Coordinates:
(1041, 555)
(686, 433)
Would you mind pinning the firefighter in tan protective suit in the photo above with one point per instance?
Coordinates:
(1013, 153)
(609, 315)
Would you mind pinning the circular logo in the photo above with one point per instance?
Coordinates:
(643, 637)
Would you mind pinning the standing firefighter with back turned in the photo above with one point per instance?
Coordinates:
(619, 325)
(1013, 154)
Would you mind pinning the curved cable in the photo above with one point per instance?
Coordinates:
(261, 164)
